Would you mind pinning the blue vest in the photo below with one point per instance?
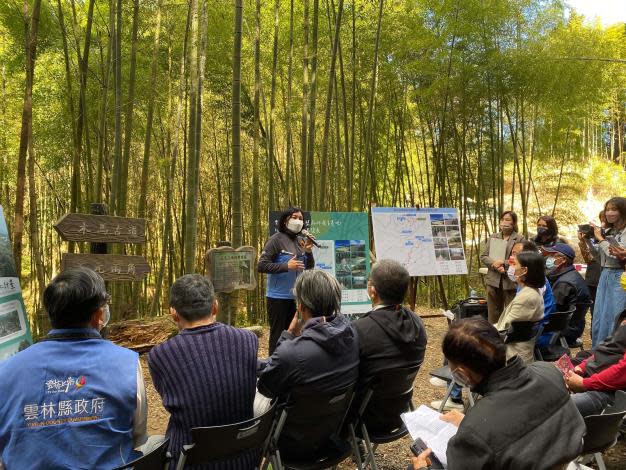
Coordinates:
(68, 403)
(280, 285)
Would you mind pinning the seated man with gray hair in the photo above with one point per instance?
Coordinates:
(319, 350)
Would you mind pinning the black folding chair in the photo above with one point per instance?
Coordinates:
(307, 433)
(218, 443)
(158, 458)
(557, 323)
(378, 420)
(603, 429)
(520, 332)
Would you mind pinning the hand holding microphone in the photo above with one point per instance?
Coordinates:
(309, 237)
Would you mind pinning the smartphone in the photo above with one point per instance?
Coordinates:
(420, 446)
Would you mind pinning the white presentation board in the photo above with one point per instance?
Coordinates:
(427, 242)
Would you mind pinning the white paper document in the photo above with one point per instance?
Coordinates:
(426, 424)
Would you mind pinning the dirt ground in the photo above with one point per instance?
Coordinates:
(393, 456)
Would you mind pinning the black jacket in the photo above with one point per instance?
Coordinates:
(325, 357)
(570, 290)
(389, 338)
(525, 421)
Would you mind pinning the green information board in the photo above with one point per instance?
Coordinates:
(14, 328)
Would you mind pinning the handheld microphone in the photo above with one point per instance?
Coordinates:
(310, 237)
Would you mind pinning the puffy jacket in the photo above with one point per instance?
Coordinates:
(524, 421)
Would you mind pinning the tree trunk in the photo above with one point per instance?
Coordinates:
(237, 217)
(31, 26)
(305, 106)
(310, 171)
(327, 113)
(117, 81)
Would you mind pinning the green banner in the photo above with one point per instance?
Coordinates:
(14, 328)
(344, 252)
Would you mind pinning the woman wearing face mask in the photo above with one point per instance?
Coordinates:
(284, 256)
(610, 297)
(500, 289)
(594, 266)
(547, 232)
(529, 273)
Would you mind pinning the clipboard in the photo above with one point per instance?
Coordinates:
(497, 249)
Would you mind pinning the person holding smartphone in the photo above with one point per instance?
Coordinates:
(610, 297)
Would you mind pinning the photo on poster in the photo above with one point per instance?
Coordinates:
(11, 321)
(450, 219)
(442, 255)
(453, 231)
(456, 254)
(350, 263)
(439, 231)
(7, 267)
(436, 219)
(440, 242)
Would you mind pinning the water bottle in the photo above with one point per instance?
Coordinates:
(473, 295)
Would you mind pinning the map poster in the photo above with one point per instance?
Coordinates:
(344, 252)
(231, 269)
(427, 242)
(14, 328)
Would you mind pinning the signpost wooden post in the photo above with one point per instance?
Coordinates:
(102, 229)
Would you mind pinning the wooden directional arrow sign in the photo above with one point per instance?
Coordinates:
(110, 267)
(101, 228)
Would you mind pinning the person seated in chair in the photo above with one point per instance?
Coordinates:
(596, 379)
(390, 335)
(524, 420)
(206, 374)
(319, 351)
(568, 287)
(527, 305)
(73, 399)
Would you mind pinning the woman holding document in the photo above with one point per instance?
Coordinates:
(500, 289)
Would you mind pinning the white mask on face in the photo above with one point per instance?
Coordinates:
(295, 225)
(106, 315)
(510, 272)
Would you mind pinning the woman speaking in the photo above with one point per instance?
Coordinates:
(284, 256)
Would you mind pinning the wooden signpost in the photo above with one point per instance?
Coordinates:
(104, 229)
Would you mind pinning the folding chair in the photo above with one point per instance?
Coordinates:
(520, 331)
(217, 443)
(603, 429)
(158, 458)
(445, 374)
(386, 397)
(307, 433)
(557, 323)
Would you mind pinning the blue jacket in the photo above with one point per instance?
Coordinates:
(277, 252)
(68, 403)
(549, 306)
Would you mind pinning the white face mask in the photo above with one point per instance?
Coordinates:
(510, 272)
(295, 225)
(106, 315)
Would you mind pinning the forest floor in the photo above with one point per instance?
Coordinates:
(393, 456)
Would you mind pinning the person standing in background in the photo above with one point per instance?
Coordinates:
(284, 256)
(500, 289)
(610, 297)
(594, 266)
(547, 232)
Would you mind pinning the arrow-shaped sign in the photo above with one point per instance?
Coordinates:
(101, 228)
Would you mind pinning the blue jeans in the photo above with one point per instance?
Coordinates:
(610, 302)
(592, 403)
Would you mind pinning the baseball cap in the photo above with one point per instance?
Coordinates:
(561, 248)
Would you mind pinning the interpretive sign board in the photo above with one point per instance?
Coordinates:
(230, 269)
(344, 252)
(14, 327)
(427, 242)
(104, 229)
(110, 267)
(101, 228)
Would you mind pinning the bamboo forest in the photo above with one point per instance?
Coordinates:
(201, 116)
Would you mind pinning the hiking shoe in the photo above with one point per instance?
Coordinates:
(451, 404)
(437, 382)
